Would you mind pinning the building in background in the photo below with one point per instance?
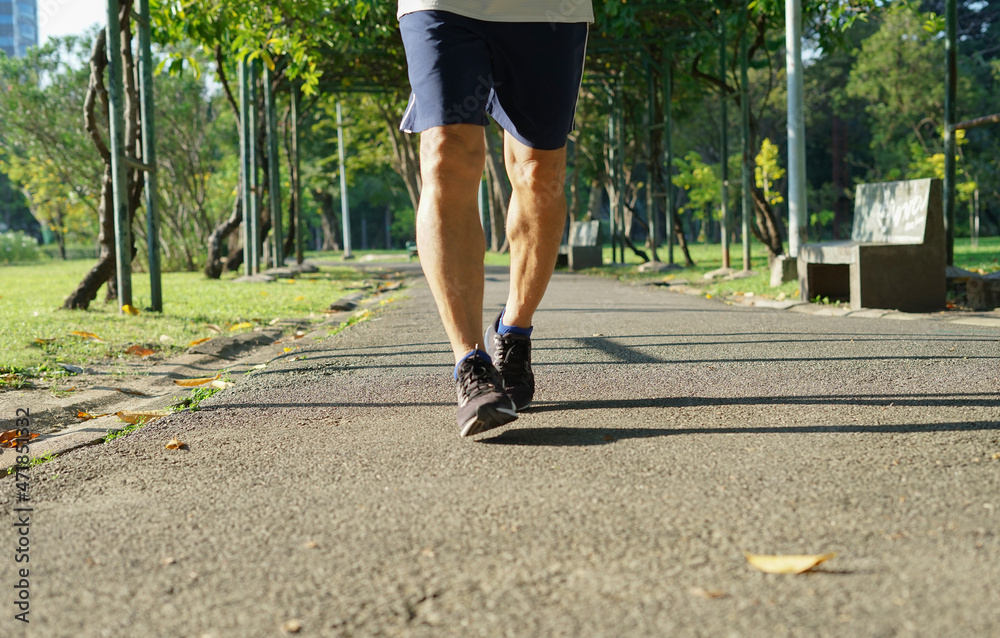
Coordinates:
(18, 26)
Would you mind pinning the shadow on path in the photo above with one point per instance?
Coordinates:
(583, 437)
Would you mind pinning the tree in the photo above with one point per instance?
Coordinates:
(43, 149)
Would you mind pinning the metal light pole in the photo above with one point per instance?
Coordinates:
(669, 168)
(724, 134)
(296, 183)
(274, 168)
(745, 125)
(345, 208)
(796, 128)
(650, 117)
(246, 143)
(149, 156)
(116, 99)
(950, 145)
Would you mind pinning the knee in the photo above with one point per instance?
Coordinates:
(538, 176)
(452, 153)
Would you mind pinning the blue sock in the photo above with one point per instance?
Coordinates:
(472, 353)
(505, 329)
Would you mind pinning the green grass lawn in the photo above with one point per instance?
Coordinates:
(31, 296)
(708, 257)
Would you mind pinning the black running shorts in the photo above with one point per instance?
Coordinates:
(526, 75)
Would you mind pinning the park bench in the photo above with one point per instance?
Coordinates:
(581, 249)
(896, 257)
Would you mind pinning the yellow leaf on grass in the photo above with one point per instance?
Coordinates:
(139, 351)
(190, 383)
(197, 341)
(241, 326)
(130, 310)
(174, 444)
(86, 416)
(85, 335)
(789, 564)
(42, 341)
(135, 417)
(287, 350)
(299, 298)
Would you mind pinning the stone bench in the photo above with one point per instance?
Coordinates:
(582, 249)
(896, 257)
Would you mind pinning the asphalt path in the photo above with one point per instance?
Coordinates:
(330, 493)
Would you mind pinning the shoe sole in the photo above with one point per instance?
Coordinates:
(487, 418)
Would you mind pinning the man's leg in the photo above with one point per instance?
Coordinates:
(535, 221)
(450, 238)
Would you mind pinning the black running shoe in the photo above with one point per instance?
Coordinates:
(511, 354)
(482, 402)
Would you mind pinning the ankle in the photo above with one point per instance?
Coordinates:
(472, 353)
(513, 328)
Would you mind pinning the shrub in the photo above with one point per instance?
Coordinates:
(16, 246)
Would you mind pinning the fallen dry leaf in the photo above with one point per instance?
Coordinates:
(174, 444)
(139, 351)
(274, 321)
(299, 334)
(241, 326)
(132, 392)
(707, 593)
(197, 341)
(43, 341)
(169, 560)
(220, 384)
(287, 350)
(299, 298)
(86, 416)
(213, 327)
(789, 564)
(190, 383)
(291, 626)
(310, 544)
(9, 438)
(136, 417)
(130, 310)
(85, 335)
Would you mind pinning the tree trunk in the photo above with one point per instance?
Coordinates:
(87, 289)
(405, 154)
(104, 271)
(499, 193)
(764, 226)
(328, 219)
(682, 242)
(214, 265)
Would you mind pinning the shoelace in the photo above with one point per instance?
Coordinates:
(505, 349)
(476, 378)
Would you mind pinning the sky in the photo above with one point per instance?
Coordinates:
(68, 17)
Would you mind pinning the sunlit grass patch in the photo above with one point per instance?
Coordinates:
(35, 331)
